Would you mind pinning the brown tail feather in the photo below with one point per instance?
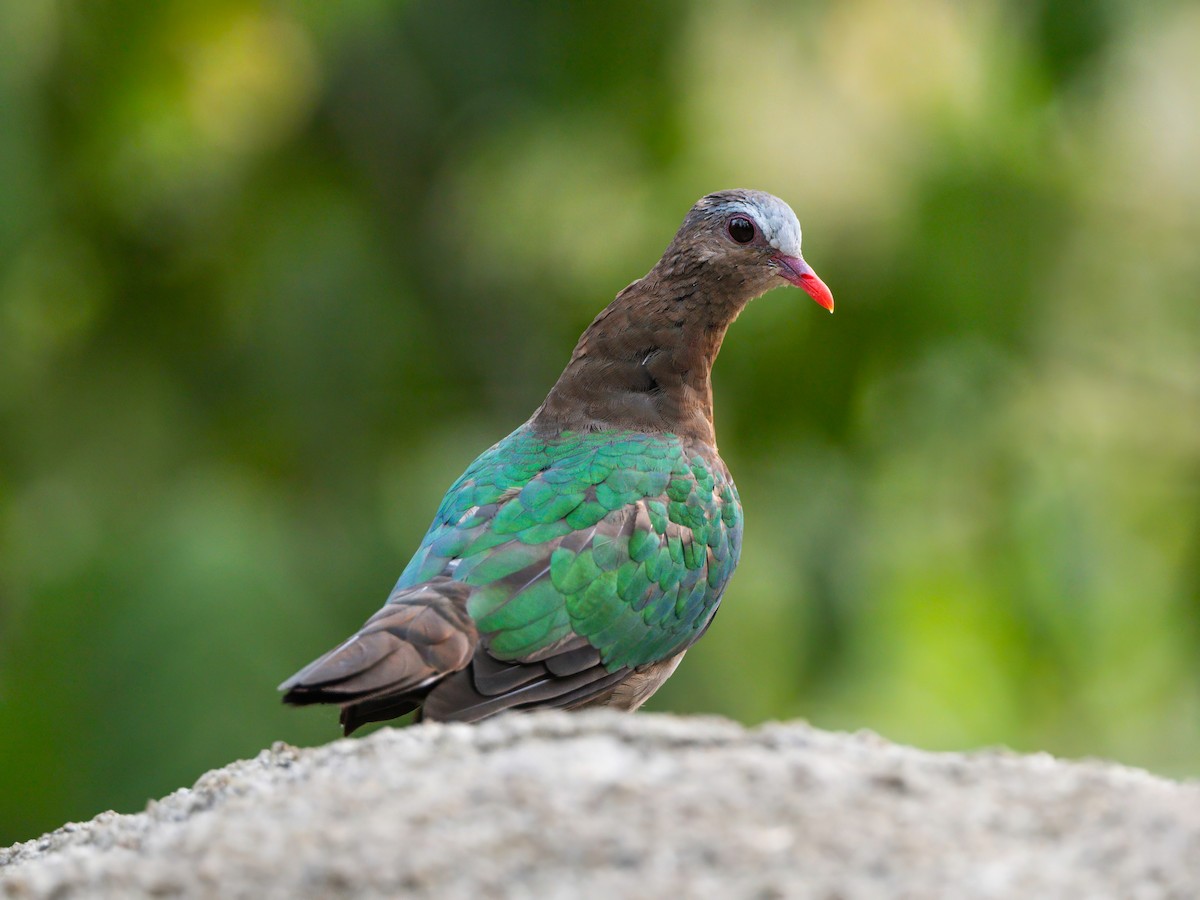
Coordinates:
(466, 697)
(355, 715)
(423, 650)
(422, 635)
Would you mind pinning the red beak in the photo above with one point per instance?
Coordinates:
(798, 272)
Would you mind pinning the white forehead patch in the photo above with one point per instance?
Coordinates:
(774, 218)
(779, 224)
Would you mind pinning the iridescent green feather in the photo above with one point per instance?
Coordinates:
(624, 538)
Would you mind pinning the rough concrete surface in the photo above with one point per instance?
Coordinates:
(604, 804)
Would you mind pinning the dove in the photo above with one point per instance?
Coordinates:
(575, 562)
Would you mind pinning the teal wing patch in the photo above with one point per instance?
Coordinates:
(622, 538)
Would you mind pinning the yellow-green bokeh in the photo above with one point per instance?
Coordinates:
(272, 274)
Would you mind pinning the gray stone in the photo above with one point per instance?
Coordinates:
(603, 804)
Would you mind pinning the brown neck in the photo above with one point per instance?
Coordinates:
(645, 362)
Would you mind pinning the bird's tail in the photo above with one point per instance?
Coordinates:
(422, 635)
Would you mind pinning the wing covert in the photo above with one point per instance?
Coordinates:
(624, 539)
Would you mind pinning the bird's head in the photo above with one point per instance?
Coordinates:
(753, 236)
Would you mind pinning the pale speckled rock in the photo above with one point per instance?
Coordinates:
(603, 804)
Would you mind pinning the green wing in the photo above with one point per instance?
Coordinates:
(625, 539)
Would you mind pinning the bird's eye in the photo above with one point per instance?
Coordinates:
(741, 229)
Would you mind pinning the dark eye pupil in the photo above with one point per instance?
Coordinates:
(741, 229)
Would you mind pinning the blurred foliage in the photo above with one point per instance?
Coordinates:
(272, 274)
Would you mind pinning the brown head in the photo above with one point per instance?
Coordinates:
(744, 241)
(645, 362)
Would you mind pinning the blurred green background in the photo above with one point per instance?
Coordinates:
(272, 274)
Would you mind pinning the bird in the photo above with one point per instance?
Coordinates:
(575, 561)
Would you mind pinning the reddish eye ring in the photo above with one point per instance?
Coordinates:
(741, 229)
